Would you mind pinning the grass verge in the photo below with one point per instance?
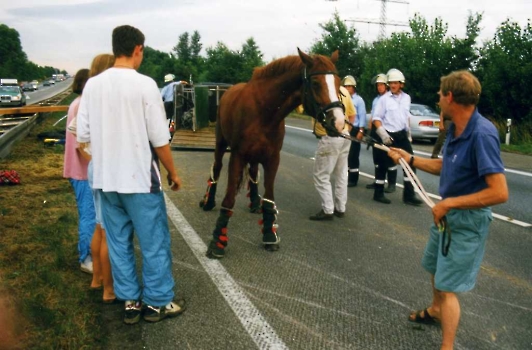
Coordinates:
(46, 298)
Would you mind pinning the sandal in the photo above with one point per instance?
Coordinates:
(423, 317)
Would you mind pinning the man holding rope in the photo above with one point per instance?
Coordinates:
(471, 180)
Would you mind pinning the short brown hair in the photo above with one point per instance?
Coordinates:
(124, 39)
(464, 85)
(101, 63)
(80, 79)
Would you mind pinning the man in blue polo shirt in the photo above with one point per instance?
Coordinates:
(471, 180)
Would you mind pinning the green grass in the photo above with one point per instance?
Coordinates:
(47, 300)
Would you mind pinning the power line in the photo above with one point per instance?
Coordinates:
(382, 21)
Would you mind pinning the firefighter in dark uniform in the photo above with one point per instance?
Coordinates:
(391, 121)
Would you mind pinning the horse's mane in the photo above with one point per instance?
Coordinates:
(277, 67)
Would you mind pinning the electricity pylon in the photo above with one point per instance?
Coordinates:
(382, 21)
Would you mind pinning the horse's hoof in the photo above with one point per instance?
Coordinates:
(256, 210)
(207, 205)
(215, 253)
(271, 247)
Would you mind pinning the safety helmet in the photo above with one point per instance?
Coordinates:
(349, 80)
(169, 77)
(380, 78)
(395, 75)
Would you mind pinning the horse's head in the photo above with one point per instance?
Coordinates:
(321, 85)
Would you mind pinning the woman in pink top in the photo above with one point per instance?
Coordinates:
(75, 170)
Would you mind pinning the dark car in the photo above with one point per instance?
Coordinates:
(29, 87)
(424, 122)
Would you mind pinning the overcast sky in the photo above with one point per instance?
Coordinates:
(67, 34)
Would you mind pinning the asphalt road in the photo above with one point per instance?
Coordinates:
(46, 92)
(345, 284)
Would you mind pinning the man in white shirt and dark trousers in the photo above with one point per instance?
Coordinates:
(122, 116)
(391, 121)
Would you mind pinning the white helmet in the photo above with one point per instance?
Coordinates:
(395, 75)
(380, 78)
(349, 80)
(169, 77)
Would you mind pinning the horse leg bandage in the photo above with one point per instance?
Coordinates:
(219, 235)
(254, 197)
(209, 199)
(269, 225)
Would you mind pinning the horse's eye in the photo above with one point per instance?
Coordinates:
(316, 85)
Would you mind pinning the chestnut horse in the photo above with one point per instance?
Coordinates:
(250, 121)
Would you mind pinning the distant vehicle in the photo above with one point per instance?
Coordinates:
(48, 82)
(59, 77)
(36, 83)
(424, 122)
(11, 94)
(29, 87)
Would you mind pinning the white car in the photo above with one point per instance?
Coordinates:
(424, 122)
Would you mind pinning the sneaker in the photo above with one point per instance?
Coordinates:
(321, 216)
(133, 309)
(86, 265)
(172, 309)
(339, 214)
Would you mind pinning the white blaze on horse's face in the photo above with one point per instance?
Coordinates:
(339, 118)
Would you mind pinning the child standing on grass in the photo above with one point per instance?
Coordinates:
(75, 170)
(101, 264)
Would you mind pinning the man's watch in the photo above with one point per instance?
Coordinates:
(361, 130)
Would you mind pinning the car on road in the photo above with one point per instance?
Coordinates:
(12, 96)
(48, 83)
(424, 122)
(29, 87)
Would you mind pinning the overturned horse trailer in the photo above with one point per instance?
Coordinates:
(194, 119)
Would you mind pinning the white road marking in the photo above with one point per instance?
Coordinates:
(253, 322)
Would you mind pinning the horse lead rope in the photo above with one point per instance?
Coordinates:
(443, 227)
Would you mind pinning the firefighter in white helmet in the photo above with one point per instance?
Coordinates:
(381, 85)
(391, 120)
(359, 125)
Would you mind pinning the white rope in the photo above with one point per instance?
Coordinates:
(418, 187)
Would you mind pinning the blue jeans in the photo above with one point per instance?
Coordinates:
(86, 214)
(144, 214)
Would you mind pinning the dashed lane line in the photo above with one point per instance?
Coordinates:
(498, 216)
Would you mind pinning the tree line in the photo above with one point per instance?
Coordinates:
(503, 64)
(426, 53)
(14, 62)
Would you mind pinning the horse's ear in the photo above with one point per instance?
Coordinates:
(334, 56)
(307, 60)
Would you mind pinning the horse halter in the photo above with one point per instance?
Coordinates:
(318, 112)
